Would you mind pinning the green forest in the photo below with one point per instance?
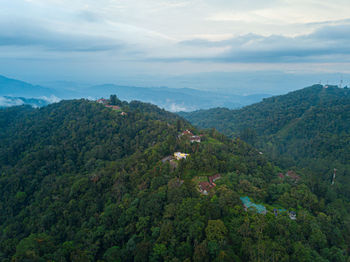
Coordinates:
(80, 181)
(308, 129)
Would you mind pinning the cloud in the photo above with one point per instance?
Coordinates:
(51, 99)
(173, 107)
(29, 33)
(328, 43)
(6, 102)
(112, 38)
(89, 16)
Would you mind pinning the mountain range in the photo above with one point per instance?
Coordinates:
(172, 99)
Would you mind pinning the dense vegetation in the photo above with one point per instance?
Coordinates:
(309, 128)
(81, 182)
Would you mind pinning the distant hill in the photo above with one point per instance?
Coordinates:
(16, 88)
(172, 99)
(309, 128)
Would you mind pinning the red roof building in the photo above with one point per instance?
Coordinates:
(205, 187)
(102, 101)
(292, 175)
(213, 178)
(195, 139)
(187, 133)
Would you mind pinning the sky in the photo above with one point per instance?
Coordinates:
(168, 42)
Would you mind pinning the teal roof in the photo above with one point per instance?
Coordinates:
(250, 205)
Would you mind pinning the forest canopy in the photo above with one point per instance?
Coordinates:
(80, 181)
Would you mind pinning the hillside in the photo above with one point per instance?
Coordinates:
(308, 128)
(81, 181)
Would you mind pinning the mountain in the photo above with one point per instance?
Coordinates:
(172, 99)
(13, 88)
(80, 181)
(308, 128)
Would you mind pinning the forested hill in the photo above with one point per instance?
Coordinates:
(84, 181)
(309, 128)
(272, 114)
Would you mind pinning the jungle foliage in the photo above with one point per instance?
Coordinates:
(81, 182)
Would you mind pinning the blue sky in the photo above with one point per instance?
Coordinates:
(151, 42)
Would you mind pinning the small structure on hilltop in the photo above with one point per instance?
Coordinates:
(249, 205)
(190, 136)
(204, 187)
(102, 101)
(186, 133)
(293, 215)
(280, 175)
(292, 175)
(196, 139)
(123, 114)
(179, 155)
(213, 178)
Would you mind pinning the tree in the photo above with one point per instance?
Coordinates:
(216, 230)
(113, 100)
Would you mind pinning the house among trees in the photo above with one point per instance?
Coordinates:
(179, 155)
(213, 178)
(102, 101)
(186, 133)
(195, 139)
(292, 175)
(293, 215)
(123, 114)
(204, 187)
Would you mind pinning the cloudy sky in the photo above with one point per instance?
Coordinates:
(151, 40)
